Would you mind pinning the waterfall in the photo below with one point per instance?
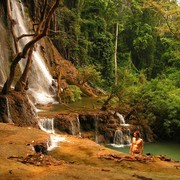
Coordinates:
(79, 127)
(118, 137)
(4, 54)
(47, 125)
(9, 118)
(40, 80)
(73, 128)
(122, 138)
(121, 118)
(96, 130)
(8, 111)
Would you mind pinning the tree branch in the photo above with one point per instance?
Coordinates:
(24, 35)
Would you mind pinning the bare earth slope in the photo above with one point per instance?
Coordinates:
(75, 158)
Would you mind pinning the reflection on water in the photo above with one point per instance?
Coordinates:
(171, 150)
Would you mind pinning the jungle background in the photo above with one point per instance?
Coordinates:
(147, 78)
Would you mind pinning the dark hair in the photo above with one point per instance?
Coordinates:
(138, 133)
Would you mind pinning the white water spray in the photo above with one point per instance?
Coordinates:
(47, 125)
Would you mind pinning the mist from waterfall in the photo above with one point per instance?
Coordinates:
(40, 80)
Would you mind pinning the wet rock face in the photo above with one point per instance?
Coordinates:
(99, 127)
(67, 123)
(16, 108)
(3, 110)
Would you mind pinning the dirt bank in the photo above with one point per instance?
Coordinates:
(75, 158)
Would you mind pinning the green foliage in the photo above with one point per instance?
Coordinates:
(174, 75)
(161, 99)
(144, 37)
(69, 28)
(147, 55)
(76, 93)
(71, 94)
(89, 74)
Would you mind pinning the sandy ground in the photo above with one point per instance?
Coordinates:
(75, 158)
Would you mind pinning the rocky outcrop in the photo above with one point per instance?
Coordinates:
(16, 108)
(99, 127)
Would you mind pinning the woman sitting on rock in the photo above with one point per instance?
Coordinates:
(137, 146)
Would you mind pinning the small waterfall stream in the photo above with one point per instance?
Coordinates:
(79, 126)
(73, 128)
(47, 125)
(121, 118)
(96, 130)
(122, 135)
(8, 111)
(122, 138)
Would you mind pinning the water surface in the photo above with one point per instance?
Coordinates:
(171, 150)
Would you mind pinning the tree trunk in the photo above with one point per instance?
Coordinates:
(22, 83)
(104, 106)
(115, 56)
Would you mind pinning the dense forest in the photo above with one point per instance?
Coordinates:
(129, 48)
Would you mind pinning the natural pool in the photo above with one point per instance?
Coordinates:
(171, 150)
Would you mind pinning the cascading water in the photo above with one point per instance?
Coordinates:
(4, 54)
(40, 80)
(121, 119)
(5, 114)
(118, 137)
(79, 128)
(122, 135)
(122, 138)
(96, 130)
(8, 110)
(47, 125)
(73, 128)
